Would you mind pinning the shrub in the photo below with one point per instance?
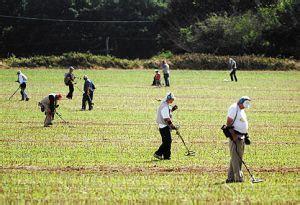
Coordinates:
(193, 61)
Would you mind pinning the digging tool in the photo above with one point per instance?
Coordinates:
(13, 93)
(189, 152)
(253, 180)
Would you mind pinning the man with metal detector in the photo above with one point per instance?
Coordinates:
(22, 80)
(88, 93)
(165, 124)
(69, 81)
(232, 67)
(166, 71)
(237, 132)
(49, 105)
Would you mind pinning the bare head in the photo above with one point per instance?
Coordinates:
(58, 96)
(85, 77)
(71, 69)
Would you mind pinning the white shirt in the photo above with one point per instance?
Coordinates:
(22, 78)
(165, 113)
(166, 68)
(241, 123)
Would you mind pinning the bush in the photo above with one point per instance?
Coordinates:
(192, 61)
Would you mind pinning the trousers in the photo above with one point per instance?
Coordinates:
(236, 149)
(232, 75)
(165, 148)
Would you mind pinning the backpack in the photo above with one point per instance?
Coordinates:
(66, 80)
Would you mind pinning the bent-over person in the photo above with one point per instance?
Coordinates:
(49, 105)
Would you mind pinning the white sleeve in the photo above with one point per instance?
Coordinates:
(231, 112)
(21, 79)
(165, 113)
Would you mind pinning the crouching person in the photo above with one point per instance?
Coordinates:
(165, 124)
(49, 105)
(237, 125)
(156, 79)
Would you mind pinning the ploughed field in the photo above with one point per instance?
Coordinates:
(105, 155)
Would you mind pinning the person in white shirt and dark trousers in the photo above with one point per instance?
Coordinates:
(237, 120)
(22, 80)
(232, 67)
(165, 124)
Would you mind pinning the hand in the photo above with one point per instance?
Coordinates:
(16, 81)
(57, 106)
(175, 107)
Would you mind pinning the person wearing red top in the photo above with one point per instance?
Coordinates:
(156, 79)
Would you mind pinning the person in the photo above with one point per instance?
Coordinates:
(232, 67)
(166, 72)
(238, 123)
(156, 79)
(88, 93)
(49, 105)
(69, 81)
(22, 80)
(165, 124)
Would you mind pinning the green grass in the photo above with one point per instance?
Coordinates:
(105, 155)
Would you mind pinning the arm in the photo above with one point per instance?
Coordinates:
(170, 123)
(229, 123)
(52, 103)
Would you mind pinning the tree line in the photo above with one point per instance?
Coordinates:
(143, 28)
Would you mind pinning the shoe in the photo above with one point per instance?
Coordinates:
(82, 109)
(27, 99)
(167, 158)
(229, 181)
(158, 156)
(91, 108)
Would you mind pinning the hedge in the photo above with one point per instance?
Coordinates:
(192, 61)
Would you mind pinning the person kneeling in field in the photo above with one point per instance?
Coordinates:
(49, 105)
(156, 79)
(237, 126)
(165, 124)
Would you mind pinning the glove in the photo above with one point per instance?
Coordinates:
(247, 140)
(175, 107)
(57, 106)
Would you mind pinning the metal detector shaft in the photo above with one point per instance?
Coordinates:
(83, 93)
(59, 115)
(13, 93)
(189, 152)
(252, 177)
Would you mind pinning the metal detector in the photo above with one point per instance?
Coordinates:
(188, 152)
(59, 115)
(83, 93)
(13, 93)
(253, 180)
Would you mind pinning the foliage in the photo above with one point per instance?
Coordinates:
(186, 61)
(268, 27)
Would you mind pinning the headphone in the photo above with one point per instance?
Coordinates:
(243, 100)
(170, 96)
